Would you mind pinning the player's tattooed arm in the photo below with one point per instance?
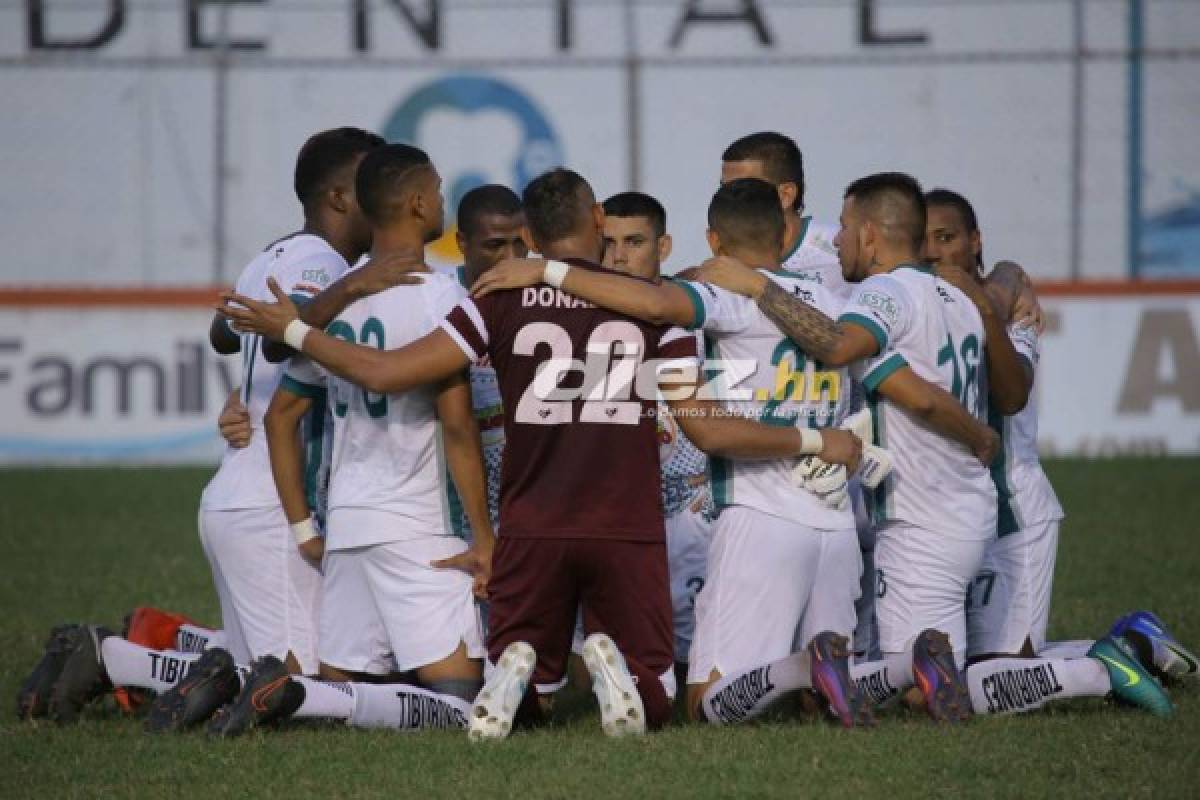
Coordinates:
(464, 457)
(826, 340)
(382, 272)
(1008, 382)
(665, 303)
(938, 409)
(280, 422)
(430, 359)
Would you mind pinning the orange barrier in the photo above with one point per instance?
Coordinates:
(207, 296)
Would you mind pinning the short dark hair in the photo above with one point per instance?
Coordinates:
(780, 156)
(491, 198)
(324, 154)
(949, 197)
(383, 178)
(746, 213)
(555, 203)
(895, 201)
(638, 204)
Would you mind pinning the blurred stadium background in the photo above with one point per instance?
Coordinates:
(147, 149)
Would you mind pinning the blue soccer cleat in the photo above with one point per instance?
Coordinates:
(1131, 683)
(1156, 648)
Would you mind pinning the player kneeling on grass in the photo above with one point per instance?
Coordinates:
(602, 547)
(774, 582)
(395, 598)
(1011, 666)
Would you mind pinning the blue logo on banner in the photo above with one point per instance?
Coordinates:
(478, 130)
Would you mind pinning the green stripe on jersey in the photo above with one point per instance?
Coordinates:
(883, 371)
(293, 386)
(881, 509)
(1007, 519)
(315, 452)
(871, 326)
(804, 223)
(697, 305)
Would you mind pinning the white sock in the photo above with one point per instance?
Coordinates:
(197, 639)
(1011, 685)
(325, 699)
(1073, 648)
(883, 679)
(129, 664)
(405, 707)
(746, 695)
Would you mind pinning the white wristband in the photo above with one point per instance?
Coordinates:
(294, 333)
(811, 442)
(555, 273)
(304, 530)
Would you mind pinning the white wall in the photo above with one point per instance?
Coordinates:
(108, 154)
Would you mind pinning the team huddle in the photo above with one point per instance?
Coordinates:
(807, 465)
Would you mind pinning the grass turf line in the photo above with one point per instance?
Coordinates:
(87, 545)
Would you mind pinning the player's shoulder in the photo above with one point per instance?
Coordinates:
(305, 261)
(819, 236)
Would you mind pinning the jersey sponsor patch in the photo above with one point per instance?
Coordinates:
(883, 306)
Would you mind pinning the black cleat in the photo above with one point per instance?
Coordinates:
(211, 682)
(830, 655)
(270, 695)
(33, 699)
(82, 678)
(946, 697)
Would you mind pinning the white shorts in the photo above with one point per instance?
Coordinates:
(269, 594)
(921, 582)
(772, 585)
(1009, 600)
(385, 609)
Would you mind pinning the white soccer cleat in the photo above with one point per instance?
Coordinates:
(496, 705)
(621, 711)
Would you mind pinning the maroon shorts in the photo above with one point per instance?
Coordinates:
(537, 586)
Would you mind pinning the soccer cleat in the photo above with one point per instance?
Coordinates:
(831, 677)
(1156, 648)
(210, 683)
(946, 696)
(496, 705)
(34, 695)
(270, 695)
(1131, 683)
(82, 678)
(621, 710)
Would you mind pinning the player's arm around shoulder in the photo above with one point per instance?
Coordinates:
(430, 359)
(663, 303)
(464, 458)
(934, 406)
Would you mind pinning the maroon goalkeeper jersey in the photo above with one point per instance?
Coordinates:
(581, 449)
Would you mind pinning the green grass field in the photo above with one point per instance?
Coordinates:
(86, 545)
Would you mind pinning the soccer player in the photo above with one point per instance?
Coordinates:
(1008, 602)
(580, 519)
(808, 245)
(636, 242)
(390, 549)
(266, 587)
(936, 511)
(790, 387)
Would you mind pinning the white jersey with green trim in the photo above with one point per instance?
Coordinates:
(815, 258)
(387, 478)
(924, 323)
(1025, 495)
(775, 382)
(303, 264)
